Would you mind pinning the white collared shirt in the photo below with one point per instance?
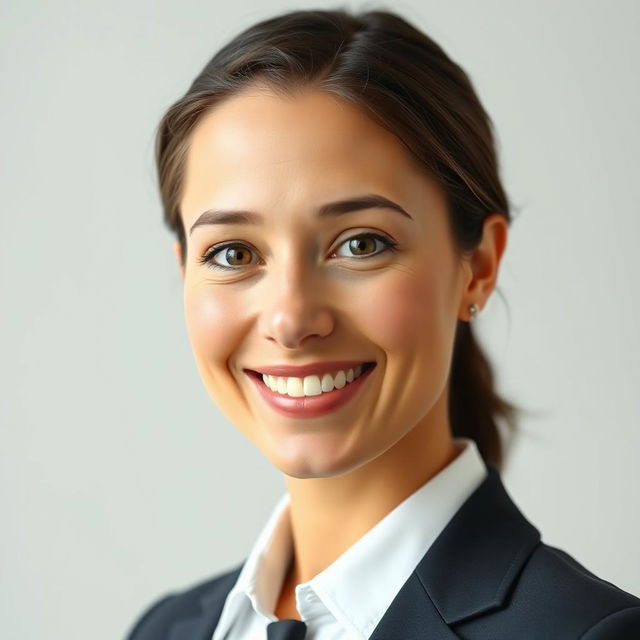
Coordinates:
(347, 600)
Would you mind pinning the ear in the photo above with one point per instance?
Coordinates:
(484, 263)
(178, 251)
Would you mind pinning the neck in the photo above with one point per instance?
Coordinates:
(328, 515)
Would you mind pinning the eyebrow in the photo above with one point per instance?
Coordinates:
(339, 207)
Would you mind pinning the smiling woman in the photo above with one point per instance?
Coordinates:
(380, 282)
(332, 183)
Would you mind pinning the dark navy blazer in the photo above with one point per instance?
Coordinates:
(487, 576)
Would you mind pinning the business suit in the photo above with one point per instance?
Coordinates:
(488, 576)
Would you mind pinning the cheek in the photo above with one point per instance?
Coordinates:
(210, 325)
(404, 310)
(409, 318)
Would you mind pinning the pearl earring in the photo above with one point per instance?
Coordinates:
(473, 311)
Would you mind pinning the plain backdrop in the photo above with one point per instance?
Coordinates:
(120, 480)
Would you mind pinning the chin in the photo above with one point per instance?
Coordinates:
(312, 464)
(304, 472)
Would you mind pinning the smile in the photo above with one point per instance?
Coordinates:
(311, 396)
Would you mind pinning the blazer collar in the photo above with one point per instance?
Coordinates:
(206, 611)
(469, 569)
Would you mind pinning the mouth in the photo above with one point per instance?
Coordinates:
(298, 387)
(315, 404)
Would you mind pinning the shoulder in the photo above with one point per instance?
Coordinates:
(570, 601)
(490, 575)
(623, 624)
(556, 597)
(551, 566)
(157, 620)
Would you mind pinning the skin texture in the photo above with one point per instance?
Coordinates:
(304, 294)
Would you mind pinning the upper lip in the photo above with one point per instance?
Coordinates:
(309, 369)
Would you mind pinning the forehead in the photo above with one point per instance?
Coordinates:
(259, 145)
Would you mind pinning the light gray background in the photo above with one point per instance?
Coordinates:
(120, 480)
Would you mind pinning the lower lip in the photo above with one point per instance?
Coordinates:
(310, 406)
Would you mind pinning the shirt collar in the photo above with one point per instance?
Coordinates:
(358, 587)
(263, 572)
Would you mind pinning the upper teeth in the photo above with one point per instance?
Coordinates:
(311, 385)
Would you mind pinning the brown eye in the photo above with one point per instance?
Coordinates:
(360, 246)
(364, 245)
(235, 255)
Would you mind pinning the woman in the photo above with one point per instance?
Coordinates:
(333, 186)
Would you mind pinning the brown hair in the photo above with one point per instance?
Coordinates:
(407, 83)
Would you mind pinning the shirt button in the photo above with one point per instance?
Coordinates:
(310, 598)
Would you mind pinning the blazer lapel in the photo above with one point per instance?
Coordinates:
(206, 614)
(468, 570)
(412, 616)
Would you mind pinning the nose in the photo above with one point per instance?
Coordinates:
(295, 308)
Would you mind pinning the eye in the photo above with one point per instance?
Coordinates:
(362, 242)
(231, 252)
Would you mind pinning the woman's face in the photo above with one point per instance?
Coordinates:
(368, 285)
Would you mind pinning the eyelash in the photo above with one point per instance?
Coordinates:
(207, 258)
